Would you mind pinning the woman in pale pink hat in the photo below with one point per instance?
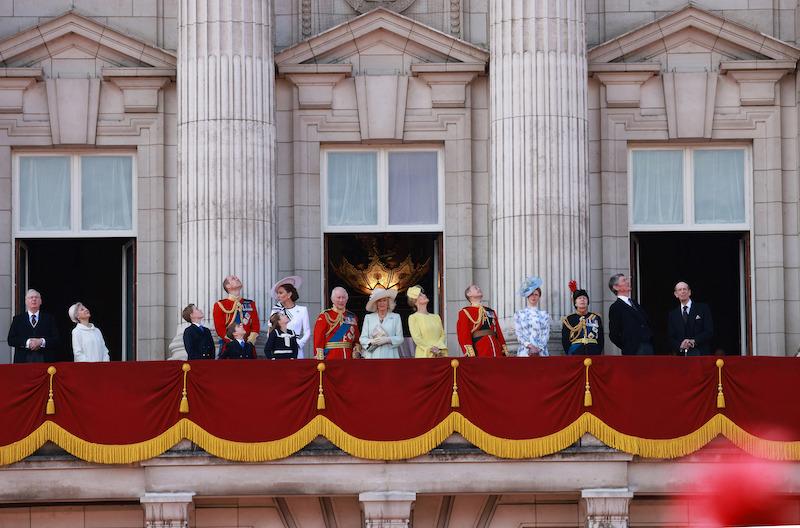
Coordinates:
(285, 294)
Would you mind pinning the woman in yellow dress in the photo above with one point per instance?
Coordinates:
(426, 328)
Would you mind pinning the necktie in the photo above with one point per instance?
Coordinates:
(33, 320)
(685, 314)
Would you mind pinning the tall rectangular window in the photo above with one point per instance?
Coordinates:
(44, 194)
(413, 188)
(75, 194)
(382, 189)
(719, 186)
(106, 194)
(658, 187)
(687, 187)
(352, 188)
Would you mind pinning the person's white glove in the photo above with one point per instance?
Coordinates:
(380, 341)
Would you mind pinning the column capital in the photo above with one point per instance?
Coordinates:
(387, 509)
(607, 507)
(167, 510)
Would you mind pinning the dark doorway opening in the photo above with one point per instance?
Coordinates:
(359, 262)
(99, 272)
(716, 267)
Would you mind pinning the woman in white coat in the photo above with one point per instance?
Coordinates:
(382, 333)
(285, 294)
(88, 344)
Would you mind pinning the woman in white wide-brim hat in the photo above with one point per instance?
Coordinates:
(286, 296)
(88, 344)
(382, 333)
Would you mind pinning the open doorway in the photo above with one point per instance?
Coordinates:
(716, 267)
(99, 272)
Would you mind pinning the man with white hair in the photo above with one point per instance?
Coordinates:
(336, 330)
(33, 334)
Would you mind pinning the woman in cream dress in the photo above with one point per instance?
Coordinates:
(382, 333)
(426, 328)
(88, 344)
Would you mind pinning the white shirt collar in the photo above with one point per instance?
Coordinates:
(688, 304)
(36, 313)
(626, 300)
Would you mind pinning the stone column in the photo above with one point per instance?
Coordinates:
(166, 510)
(387, 509)
(539, 209)
(607, 508)
(226, 157)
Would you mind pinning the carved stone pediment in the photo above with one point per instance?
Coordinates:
(364, 6)
(681, 61)
(59, 68)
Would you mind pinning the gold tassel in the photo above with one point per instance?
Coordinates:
(184, 408)
(720, 395)
(321, 395)
(51, 405)
(587, 395)
(454, 401)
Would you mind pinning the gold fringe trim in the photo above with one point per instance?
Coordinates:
(399, 449)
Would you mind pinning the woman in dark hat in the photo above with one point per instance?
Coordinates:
(582, 331)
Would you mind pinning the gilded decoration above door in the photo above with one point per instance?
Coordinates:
(362, 6)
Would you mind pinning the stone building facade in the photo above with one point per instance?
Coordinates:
(222, 123)
(223, 120)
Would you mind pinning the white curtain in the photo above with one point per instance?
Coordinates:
(352, 188)
(44, 193)
(106, 192)
(657, 187)
(719, 186)
(413, 188)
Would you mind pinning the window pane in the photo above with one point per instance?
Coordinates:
(657, 186)
(106, 192)
(413, 188)
(352, 188)
(44, 193)
(719, 186)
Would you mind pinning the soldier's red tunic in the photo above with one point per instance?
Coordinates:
(231, 311)
(479, 332)
(336, 334)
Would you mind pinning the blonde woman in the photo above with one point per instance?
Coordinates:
(88, 344)
(426, 328)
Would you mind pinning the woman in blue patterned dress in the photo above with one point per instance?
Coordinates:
(531, 323)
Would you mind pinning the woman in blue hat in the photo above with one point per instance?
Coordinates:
(531, 323)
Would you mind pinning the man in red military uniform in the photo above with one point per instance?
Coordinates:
(336, 330)
(233, 310)
(478, 329)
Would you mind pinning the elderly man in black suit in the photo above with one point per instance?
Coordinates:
(690, 326)
(33, 334)
(628, 326)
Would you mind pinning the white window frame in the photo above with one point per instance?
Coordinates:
(76, 210)
(383, 225)
(688, 188)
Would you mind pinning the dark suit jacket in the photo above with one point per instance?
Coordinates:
(198, 342)
(21, 330)
(628, 327)
(699, 326)
(233, 350)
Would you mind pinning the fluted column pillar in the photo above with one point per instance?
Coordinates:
(539, 186)
(226, 157)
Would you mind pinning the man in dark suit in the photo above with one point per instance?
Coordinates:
(33, 334)
(690, 326)
(628, 326)
(197, 338)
